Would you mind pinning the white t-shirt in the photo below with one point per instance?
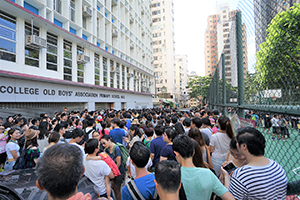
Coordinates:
(81, 148)
(43, 143)
(87, 129)
(132, 167)
(96, 170)
(10, 146)
(206, 131)
(221, 143)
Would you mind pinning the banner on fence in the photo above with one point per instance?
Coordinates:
(238, 122)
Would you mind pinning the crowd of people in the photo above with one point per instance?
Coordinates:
(144, 154)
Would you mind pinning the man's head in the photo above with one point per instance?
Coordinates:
(139, 154)
(77, 134)
(187, 122)
(19, 121)
(183, 147)
(116, 122)
(35, 122)
(196, 122)
(64, 117)
(167, 177)
(91, 145)
(159, 130)
(90, 122)
(250, 140)
(59, 170)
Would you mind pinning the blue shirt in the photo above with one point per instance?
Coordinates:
(114, 156)
(117, 135)
(128, 123)
(167, 152)
(156, 146)
(145, 185)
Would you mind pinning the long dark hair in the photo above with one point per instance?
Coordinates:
(103, 125)
(136, 130)
(43, 127)
(196, 134)
(32, 142)
(197, 158)
(225, 125)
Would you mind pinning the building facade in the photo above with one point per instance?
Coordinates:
(193, 102)
(264, 12)
(94, 53)
(182, 78)
(220, 37)
(164, 49)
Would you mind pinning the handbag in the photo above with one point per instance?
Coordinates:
(21, 161)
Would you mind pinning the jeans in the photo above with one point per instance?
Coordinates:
(9, 165)
(217, 163)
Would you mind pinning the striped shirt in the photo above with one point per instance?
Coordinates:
(259, 182)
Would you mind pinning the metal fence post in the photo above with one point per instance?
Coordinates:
(239, 38)
(224, 84)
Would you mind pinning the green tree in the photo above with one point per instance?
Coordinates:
(277, 62)
(199, 86)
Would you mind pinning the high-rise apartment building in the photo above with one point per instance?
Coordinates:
(78, 53)
(182, 78)
(220, 37)
(164, 48)
(264, 12)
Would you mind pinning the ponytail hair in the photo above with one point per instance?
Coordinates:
(9, 133)
(225, 125)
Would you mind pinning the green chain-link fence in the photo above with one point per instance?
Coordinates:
(260, 72)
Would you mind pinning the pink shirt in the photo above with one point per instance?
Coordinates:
(2, 143)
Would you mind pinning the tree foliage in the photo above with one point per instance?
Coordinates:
(199, 85)
(277, 62)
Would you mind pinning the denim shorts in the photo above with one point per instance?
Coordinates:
(9, 165)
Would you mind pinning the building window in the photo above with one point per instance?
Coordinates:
(128, 78)
(134, 81)
(118, 74)
(104, 71)
(57, 6)
(138, 82)
(123, 77)
(112, 74)
(7, 37)
(80, 67)
(97, 69)
(72, 10)
(51, 52)
(31, 54)
(67, 60)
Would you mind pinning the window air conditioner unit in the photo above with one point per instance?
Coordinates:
(142, 12)
(129, 75)
(112, 69)
(35, 42)
(86, 11)
(114, 2)
(143, 33)
(150, 83)
(131, 46)
(131, 20)
(115, 33)
(143, 80)
(143, 55)
(82, 59)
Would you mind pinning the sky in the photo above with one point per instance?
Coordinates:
(190, 22)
